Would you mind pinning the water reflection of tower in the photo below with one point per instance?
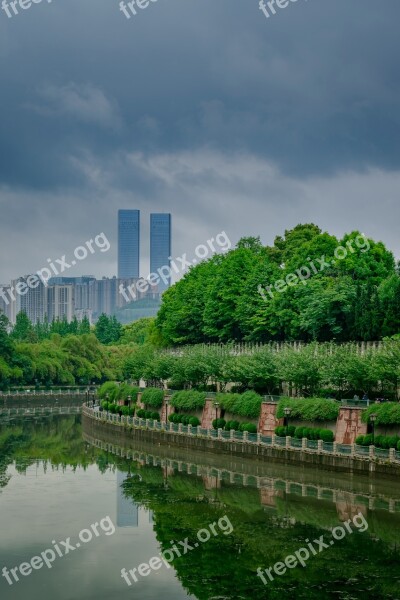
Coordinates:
(127, 510)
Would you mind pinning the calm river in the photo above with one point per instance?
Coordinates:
(80, 520)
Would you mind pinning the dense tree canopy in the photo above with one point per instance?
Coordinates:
(29, 359)
(308, 286)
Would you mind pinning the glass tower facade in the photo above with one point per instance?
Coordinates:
(128, 243)
(160, 245)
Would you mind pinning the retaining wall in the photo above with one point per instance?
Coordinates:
(326, 461)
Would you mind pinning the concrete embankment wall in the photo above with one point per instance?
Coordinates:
(258, 452)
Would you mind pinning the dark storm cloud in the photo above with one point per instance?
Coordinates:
(198, 108)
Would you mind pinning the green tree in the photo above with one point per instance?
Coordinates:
(23, 329)
(107, 329)
(84, 326)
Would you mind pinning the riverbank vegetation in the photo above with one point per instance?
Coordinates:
(219, 302)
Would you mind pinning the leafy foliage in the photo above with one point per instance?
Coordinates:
(153, 397)
(219, 300)
(309, 409)
(108, 330)
(244, 405)
(188, 400)
(387, 413)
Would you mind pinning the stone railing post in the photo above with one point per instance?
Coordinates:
(245, 436)
(273, 438)
(334, 449)
(180, 428)
(209, 433)
(147, 423)
(198, 430)
(288, 441)
(392, 454)
(232, 434)
(171, 426)
(189, 429)
(320, 446)
(258, 438)
(372, 451)
(304, 444)
(155, 424)
(220, 434)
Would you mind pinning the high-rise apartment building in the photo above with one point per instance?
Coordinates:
(160, 244)
(128, 243)
(33, 300)
(60, 302)
(5, 301)
(105, 298)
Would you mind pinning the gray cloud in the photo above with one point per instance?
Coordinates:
(208, 110)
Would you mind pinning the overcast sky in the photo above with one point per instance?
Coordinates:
(202, 108)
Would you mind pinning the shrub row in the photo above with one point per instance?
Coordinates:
(309, 409)
(311, 433)
(235, 425)
(153, 397)
(148, 414)
(380, 441)
(126, 411)
(114, 408)
(188, 400)
(282, 431)
(243, 405)
(184, 419)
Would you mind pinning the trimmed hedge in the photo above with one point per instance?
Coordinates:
(153, 397)
(127, 411)
(184, 419)
(113, 408)
(387, 413)
(282, 431)
(243, 405)
(232, 425)
(188, 400)
(380, 441)
(311, 433)
(309, 409)
(148, 414)
(249, 427)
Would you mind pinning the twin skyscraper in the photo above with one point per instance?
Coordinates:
(129, 244)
